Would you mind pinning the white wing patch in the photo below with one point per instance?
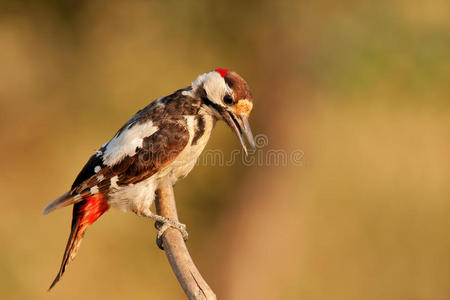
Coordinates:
(126, 142)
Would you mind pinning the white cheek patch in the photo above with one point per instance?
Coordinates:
(126, 142)
(214, 85)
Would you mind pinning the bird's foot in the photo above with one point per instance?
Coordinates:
(162, 224)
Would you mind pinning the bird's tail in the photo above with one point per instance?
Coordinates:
(85, 213)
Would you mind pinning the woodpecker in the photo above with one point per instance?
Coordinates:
(157, 146)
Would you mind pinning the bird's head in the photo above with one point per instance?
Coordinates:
(228, 97)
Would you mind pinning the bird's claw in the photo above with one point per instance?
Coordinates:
(162, 226)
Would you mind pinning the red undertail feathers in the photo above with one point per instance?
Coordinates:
(85, 213)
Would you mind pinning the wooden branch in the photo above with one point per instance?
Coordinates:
(184, 268)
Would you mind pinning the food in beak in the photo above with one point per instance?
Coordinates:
(240, 126)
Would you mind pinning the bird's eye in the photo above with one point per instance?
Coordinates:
(227, 99)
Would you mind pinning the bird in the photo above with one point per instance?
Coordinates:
(158, 145)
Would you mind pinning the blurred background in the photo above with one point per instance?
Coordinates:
(360, 88)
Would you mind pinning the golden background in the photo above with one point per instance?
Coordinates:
(360, 87)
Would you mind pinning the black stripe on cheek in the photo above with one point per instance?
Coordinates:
(205, 100)
(201, 93)
(199, 130)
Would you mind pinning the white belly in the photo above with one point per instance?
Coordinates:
(133, 197)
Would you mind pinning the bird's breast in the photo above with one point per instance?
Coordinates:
(200, 128)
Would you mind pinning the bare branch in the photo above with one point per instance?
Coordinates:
(184, 268)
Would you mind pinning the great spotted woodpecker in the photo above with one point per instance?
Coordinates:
(158, 145)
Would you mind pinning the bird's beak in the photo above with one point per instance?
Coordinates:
(239, 124)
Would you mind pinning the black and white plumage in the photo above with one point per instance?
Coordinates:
(157, 146)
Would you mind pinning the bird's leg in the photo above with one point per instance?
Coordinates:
(162, 224)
